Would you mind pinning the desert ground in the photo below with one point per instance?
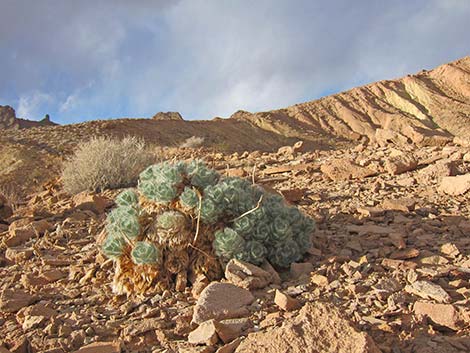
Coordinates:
(383, 169)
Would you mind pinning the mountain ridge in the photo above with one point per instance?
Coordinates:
(429, 107)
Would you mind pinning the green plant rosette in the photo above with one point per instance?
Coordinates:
(145, 253)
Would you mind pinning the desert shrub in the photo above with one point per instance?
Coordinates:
(185, 220)
(13, 195)
(192, 142)
(106, 163)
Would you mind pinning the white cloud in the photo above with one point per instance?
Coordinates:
(209, 58)
(30, 106)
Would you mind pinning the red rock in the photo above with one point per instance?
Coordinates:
(246, 275)
(319, 280)
(437, 171)
(205, 333)
(441, 314)
(402, 204)
(293, 195)
(401, 164)
(286, 302)
(220, 301)
(18, 254)
(236, 172)
(455, 185)
(299, 269)
(428, 290)
(405, 254)
(12, 300)
(41, 226)
(19, 236)
(275, 278)
(91, 202)
(230, 329)
(398, 264)
(288, 168)
(228, 348)
(22, 345)
(101, 347)
(199, 284)
(344, 169)
(450, 249)
(318, 327)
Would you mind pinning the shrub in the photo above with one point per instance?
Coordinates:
(105, 163)
(192, 142)
(185, 220)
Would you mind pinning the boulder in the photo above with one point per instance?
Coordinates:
(222, 301)
(8, 117)
(401, 164)
(318, 327)
(168, 116)
(246, 275)
(455, 185)
(344, 169)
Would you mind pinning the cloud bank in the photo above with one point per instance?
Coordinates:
(86, 59)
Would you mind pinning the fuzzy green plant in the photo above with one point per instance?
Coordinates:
(113, 247)
(184, 216)
(145, 253)
(127, 198)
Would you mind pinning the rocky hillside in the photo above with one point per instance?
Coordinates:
(8, 120)
(388, 270)
(428, 108)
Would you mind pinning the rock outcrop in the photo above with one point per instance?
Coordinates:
(8, 120)
(428, 108)
(168, 116)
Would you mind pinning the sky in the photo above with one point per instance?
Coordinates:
(99, 59)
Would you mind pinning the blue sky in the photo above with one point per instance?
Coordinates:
(85, 60)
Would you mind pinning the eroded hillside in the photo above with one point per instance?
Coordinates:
(430, 107)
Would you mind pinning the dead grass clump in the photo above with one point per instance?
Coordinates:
(13, 194)
(106, 163)
(192, 142)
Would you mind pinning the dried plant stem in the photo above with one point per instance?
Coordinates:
(250, 211)
(198, 222)
(201, 251)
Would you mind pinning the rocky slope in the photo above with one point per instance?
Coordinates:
(430, 107)
(389, 270)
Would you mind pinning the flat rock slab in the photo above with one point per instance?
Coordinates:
(428, 290)
(441, 314)
(222, 301)
(344, 169)
(13, 300)
(318, 328)
(455, 185)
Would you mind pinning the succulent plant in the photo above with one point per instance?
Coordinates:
(185, 219)
(189, 198)
(113, 246)
(227, 243)
(145, 253)
(201, 176)
(128, 198)
(253, 251)
(285, 253)
(210, 211)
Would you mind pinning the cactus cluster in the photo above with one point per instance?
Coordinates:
(184, 220)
